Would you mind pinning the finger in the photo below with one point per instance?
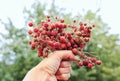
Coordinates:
(63, 77)
(65, 64)
(65, 55)
(63, 71)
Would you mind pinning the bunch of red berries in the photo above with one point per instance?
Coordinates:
(53, 34)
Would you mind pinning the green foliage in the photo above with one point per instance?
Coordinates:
(18, 59)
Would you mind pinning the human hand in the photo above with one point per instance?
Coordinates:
(57, 66)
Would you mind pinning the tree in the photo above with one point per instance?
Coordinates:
(17, 58)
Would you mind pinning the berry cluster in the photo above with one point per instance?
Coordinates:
(54, 34)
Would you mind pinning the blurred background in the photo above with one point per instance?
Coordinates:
(16, 58)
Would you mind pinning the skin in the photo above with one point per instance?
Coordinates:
(57, 66)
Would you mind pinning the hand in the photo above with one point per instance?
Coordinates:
(57, 66)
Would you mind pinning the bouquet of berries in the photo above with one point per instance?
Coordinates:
(54, 34)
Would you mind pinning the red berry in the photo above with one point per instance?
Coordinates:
(72, 41)
(33, 45)
(90, 65)
(86, 39)
(64, 25)
(63, 46)
(43, 33)
(75, 46)
(69, 35)
(80, 64)
(76, 40)
(45, 25)
(82, 45)
(60, 25)
(56, 25)
(38, 33)
(85, 62)
(62, 20)
(57, 44)
(86, 30)
(62, 39)
(68, 44)
(40, 49)
(51, 48)
(51, 43)
(30, 31)
(98, 62)
(30, 24)
(75, 51)
(40, 53)
(81, 27)
(54, 33)
(47, 38)
(48, 33)
(35, 29)
(80, 23)
(84, 35)
(93, 59)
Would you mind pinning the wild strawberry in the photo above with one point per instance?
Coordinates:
(63, 39)
(84, 35)
(80, 64)
(81, 27)
(51, 43)
(77, 40)
(56, 25)
(60, 25)
(54, 33)
(85, 62)
(98, 62)
(40, 53)
(33, 45)
(82, 45)
(72, 41)
(75, 46)
(64, 25)
(62, 20)
(85, 30)
(90, 65)
(57, 44)
(30, 31)
(86, 39)
(30, 24)
(63, 46)
(40, 48)
(45, 25)
(43, 32)
(93, 59)
(38, 33)
(68, 44)
(75, 51)
(81, 23)
(69, 35)
(35, 29)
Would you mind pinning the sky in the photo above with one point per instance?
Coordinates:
(109, 10)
